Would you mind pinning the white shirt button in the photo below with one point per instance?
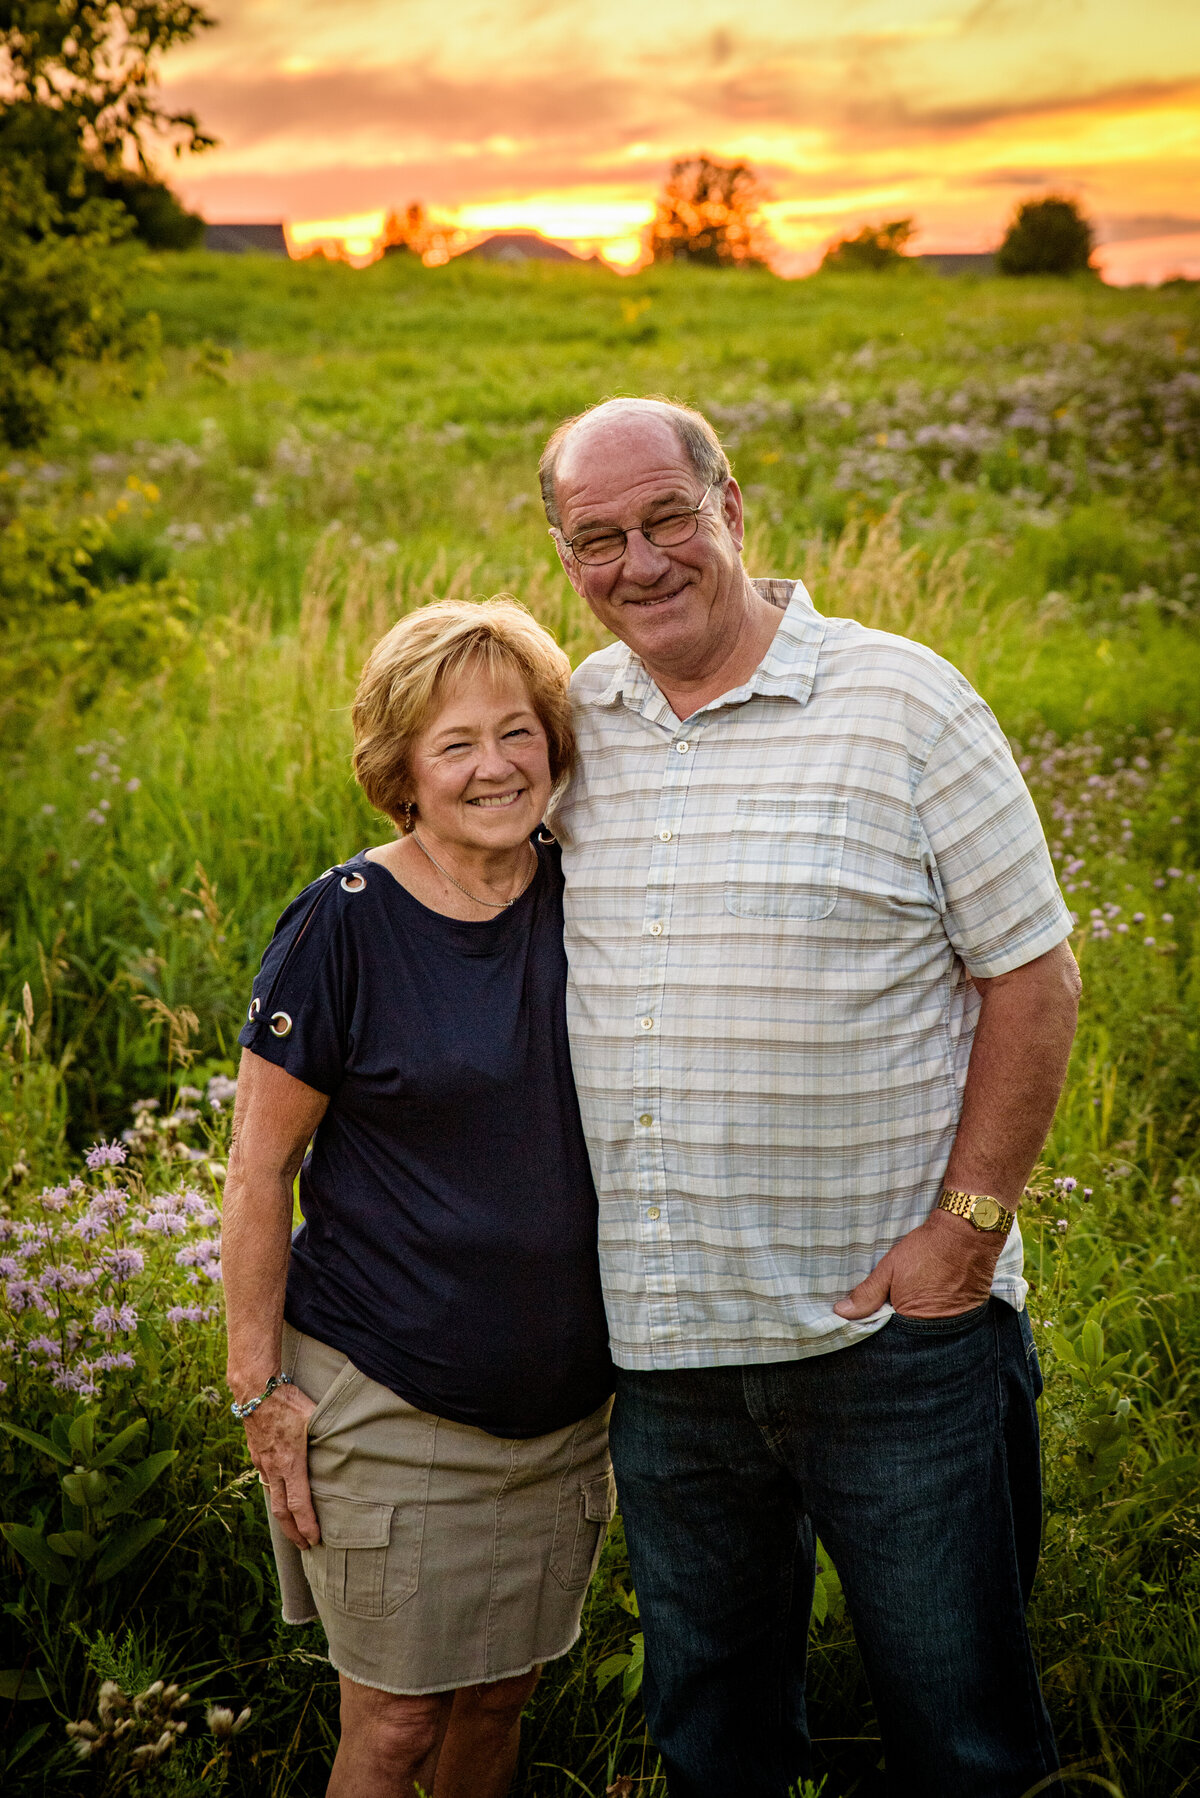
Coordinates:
(664, 836)
(646, 1119)
(656, 928)
(682, 748)
(647, 1023)
(652, 1214)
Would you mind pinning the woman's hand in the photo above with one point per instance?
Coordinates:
(277, 1435)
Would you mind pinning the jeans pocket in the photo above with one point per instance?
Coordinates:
(785, 857)
(942, 1326)
(585, 1510)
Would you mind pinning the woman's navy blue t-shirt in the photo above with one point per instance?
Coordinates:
(449, 1236)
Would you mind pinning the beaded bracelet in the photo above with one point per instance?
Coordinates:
(251, 1405)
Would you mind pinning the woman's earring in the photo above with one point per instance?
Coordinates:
(410, 818)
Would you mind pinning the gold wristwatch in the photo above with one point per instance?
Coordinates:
(979, 1209)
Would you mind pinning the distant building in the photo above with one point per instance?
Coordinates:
(235, 240)
(522, 246)
(973, 262)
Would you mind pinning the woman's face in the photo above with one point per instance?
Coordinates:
(481, 766)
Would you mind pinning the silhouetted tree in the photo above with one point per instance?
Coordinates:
(408, 233)
(81, 107)
(1046, 237)
(874, 247)
(709, 212)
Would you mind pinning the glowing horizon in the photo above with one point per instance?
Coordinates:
(507, 115)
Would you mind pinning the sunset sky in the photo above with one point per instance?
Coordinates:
(562, 116)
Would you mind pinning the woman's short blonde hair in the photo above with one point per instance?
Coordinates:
(408, 671)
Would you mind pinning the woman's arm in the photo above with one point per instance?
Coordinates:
(273, 1122)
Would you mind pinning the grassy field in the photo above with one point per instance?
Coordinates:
(190, 578)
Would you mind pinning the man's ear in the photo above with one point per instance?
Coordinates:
(733, 513)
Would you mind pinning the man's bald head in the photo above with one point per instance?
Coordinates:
(691, 430)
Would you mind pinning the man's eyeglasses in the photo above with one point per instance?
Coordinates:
(607, 543)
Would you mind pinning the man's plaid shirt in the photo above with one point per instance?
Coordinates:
(772, 912)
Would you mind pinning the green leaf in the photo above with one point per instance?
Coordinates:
(631, 1682)
(76, 1545)
(24, 1743)
(151, 1344)
(23, 1682)
(120, 1549)
(41, 1443)
(60, 1431)
(86, 1489)
(82, 1435)
(1091, 1343)
(32, 1546)
(116, 1448)
(139, 1481)
(611, 1668)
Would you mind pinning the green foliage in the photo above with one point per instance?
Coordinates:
(873, 248)
(62, 299)
(94, 63)
(85, 605)
(1046, 237)
(709, 213)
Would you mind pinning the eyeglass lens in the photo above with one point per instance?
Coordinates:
(663, 533)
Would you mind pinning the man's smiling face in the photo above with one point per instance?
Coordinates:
(674, 607)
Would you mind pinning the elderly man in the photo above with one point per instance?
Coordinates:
(821, 1006)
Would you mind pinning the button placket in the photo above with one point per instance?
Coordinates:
(652, 1188)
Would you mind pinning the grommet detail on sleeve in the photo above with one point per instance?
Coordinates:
(281, 1024)
(255, 1008)
(353, 883)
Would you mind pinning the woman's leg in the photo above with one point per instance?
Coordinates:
(389, 1744)
(479, 1751)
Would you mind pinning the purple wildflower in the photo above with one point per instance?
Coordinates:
(109, 1319)
(1070, 1183)
(122, 1264)
(106, 1154)
(112, 1203)
(45, 1345)
(162, 1223)
(70, 1379)
(10, 1267)
(190, 1314)
(110, 1363)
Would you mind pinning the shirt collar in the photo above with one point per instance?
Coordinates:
(786, 671)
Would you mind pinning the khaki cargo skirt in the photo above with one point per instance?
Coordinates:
(447, 1557)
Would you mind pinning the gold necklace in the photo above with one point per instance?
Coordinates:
(497, 904)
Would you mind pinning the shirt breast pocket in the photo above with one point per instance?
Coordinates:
(785, 857)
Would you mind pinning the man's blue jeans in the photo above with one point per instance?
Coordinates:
(914, 1456)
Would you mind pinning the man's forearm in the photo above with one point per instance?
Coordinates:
(1018, 1065)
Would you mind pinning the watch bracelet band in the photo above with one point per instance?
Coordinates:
(241, 1412)
(962, 1204)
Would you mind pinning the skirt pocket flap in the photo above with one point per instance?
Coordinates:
(352, 1522)
(600, 1498)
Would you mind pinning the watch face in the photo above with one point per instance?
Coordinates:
(986, 1214)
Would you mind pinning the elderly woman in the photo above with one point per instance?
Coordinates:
(423, 1368)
